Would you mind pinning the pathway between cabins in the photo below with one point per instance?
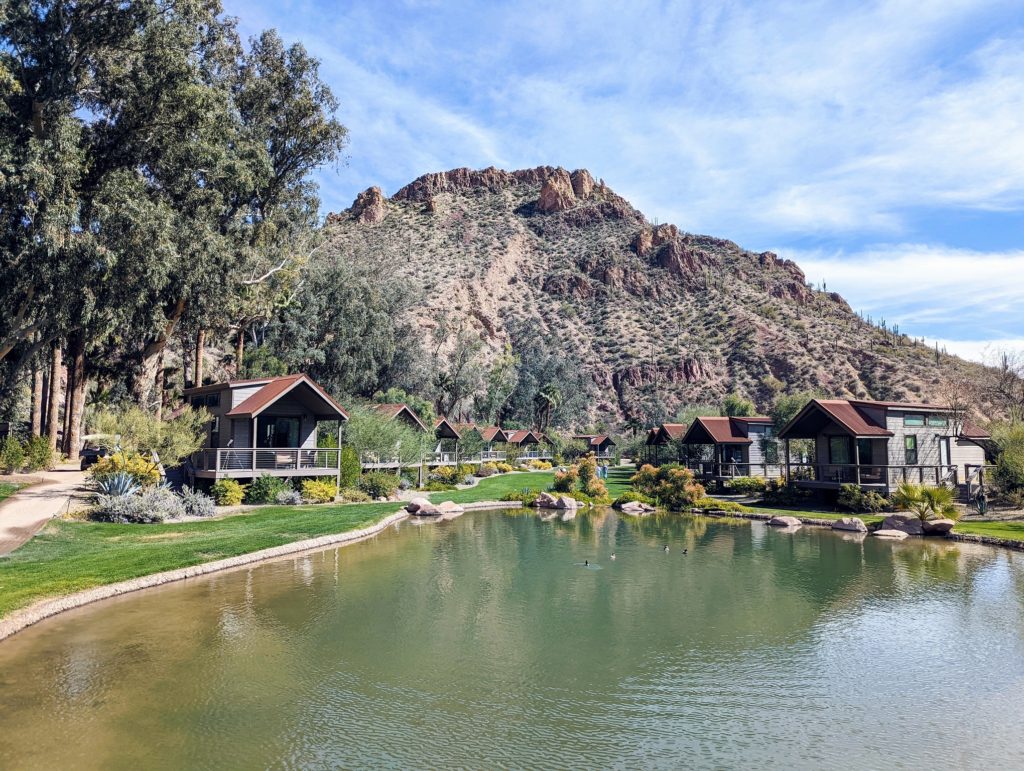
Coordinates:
(24, 513)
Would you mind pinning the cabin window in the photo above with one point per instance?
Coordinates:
(913, 420)
(839, 450)
(213, 400)
(865, 451)
(277, 432)
(910, 450)
(938, 421)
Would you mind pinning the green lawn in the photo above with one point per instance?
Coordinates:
(618, 480)
(493, 488)
(868, 518)
(70, 556)
(1012, 531)
(7, 489)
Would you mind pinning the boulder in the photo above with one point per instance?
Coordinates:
(938, 526)
(636, 508)
(784, 522)
(545, 501)
(854, 524)
(898, 535)
(565, 502)
(908, 523)
(416, 504)
(450, 509)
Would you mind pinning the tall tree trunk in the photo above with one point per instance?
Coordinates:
(197, 371)
(161, 379)
(145, 375)
(37, 399)
(75, 404)
(239, 350)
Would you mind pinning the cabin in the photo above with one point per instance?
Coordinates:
(265, 426)
(662, 437)
(740, 447)
(528, 443)
(495, 439)
(599, 444)
(447, 436)
(878, 445)
(402, 413)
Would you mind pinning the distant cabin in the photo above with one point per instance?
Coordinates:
(403, 413)
(600, 444)
(738, 446)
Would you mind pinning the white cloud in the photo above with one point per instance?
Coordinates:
(966, 299)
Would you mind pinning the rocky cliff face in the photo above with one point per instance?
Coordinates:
(657, 317)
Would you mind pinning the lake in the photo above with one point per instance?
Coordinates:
(485, 642)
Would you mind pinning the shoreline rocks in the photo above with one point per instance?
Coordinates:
(784, 521)
(897, 535)
(908, 523)
(852, 524)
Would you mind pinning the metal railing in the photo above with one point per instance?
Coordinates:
(257, 459)
(714, 470)
(874, 474)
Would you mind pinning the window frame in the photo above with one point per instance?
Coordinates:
(932, 421)
(907, 439)
(910, 417)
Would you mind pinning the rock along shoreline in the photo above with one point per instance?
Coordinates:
(44, 609)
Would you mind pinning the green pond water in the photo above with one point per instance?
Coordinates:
(484, 643)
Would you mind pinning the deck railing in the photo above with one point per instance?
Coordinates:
(257, 459)
(871, 474)
(715, 470)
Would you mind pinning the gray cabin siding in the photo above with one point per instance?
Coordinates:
(927, 439)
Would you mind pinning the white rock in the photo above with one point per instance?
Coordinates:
(545, 501)
(898, 535)
(938, 526)
(416, 504)
(565, 502)
(854, 524)
(784, 522)
(908, 523)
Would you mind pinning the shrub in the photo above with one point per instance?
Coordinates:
(469, 480)
(12, 457)
(566, 480)
(350, 468)
(404, 483)
(379, 484)
(265, 489)
(197, 503)
(466, 470)
(504, 468)
(778, 493)
(318, 490)
(632, 496)
(926, 502)
(228, 492)
(437, 487)
(154, 504)
(540, 465)
(162, 501)
(486, 470)
(747, 485)
(671, 485)
(853, 498)
(353, 495)
(445, 475)
(144, 471)
(523, 496)
(596, 489)
(119, 483)
(706, 504)
(288, 497)
(39, 454)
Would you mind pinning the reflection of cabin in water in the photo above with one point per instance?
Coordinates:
(265, 426)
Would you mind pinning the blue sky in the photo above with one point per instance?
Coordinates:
(880, 145)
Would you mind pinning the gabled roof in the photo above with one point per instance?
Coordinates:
(913, 406)
(670, 432)
(493, 434)
(446, 429)
(211, 387)
(523, 436)
(970, 431)
(652, 435)
(392, 411)
(275, 389)
(719, 430)
(853, 417)
(595, 440)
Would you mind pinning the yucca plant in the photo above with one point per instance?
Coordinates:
(119, 483)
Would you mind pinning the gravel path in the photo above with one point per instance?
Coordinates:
(24, 513)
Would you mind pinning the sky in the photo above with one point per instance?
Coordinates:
(878, 144)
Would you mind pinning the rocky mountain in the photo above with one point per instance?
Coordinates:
(657, 317)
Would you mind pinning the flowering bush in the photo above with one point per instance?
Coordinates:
(671, 485)
(141, 468)
(228, 492)
(318, 490)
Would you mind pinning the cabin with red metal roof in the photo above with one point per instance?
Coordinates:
(599, 444)
(740, 447)
(402, 412)
(265, 426)
(661, 437)
(878, 444)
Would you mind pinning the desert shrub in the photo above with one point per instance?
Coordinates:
(632, 496)
(747, 485)
(265, 489)
(645, 480)
(671, 485)
(706, 504)
(445, 475)
(154, 504)
(853, 498)
(141, 468)
(350, 468)
(318, 490)
(469, 480)
(378, 484)
(12, 456)
(486, 470)
(466, 470)
(437, 487)
(540, 465)
(504, 468)
(162, 500)
(228, 492)
(353, 495)
(596, 489)
(39, 454)
(778, 493)
(1013, 499)
(566, 480)
(197, 503)
(404, 483)
(523, 496)
(288, 497)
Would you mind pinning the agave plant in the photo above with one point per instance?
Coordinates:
(121, 483)
(926, 502)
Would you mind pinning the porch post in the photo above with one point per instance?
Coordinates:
(338, 475)
(856, 459)
(252, 444)
(786, 441)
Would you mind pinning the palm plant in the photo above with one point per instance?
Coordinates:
(926, 502)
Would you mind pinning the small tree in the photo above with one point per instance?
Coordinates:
(736, 406)
(133, 431)
(373, 435)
